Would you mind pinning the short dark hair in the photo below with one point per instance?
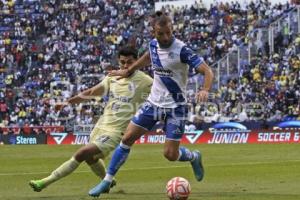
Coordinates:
(128, 51)
(161, 18)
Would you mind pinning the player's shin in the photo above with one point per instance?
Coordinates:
(98, 168)
(118, 159)
(185, 154)
(63, 170)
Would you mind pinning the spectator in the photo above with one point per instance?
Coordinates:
(51, 52)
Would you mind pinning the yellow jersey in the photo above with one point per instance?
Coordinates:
(125, 97)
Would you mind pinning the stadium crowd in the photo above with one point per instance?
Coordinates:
(268, 88)
(50, 50)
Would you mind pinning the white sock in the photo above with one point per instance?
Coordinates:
(63, 170)
(108, 178)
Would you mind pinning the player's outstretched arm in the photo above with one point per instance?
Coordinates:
(143, 61)
(85, 95)
(88, 94)
(204, 69)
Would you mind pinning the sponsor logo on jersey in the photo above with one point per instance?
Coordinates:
(123, 99)
(163, 72)
(171, 55)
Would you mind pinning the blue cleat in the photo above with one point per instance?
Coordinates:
(102, 187)
(197, 166)
(113, 184)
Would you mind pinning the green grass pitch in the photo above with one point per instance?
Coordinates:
(233, 172)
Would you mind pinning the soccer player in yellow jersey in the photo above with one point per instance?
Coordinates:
(125, 97)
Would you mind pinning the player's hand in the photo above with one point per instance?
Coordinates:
(160, 131)
(202, 96)
(59, 106)
(122, 73)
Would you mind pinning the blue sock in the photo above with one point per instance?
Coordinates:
(185, 154)
(118, 159)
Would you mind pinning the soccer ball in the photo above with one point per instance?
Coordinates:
(178, 188)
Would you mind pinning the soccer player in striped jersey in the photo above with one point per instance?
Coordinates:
(125, 97)
(171, 61)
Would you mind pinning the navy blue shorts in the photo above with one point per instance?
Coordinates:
(174, 118)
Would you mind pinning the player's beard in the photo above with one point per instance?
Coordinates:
(166, 44)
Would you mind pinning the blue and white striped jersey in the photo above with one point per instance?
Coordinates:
(171, 68)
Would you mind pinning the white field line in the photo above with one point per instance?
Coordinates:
(156, 168)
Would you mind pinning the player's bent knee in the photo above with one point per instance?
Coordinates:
(170, 155)
(129, 138)
(132, 134)
(91, 160)
(82, 154)
(128, 141)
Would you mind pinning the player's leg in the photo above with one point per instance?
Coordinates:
(140, 124)
(173, 151)
(84, 153)
(103, 143)
(119, 157)
(106, 143)
(63, 170)
(93, 156)
(121, 153)
(97, 166)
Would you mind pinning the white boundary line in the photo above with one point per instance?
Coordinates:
(154, 168)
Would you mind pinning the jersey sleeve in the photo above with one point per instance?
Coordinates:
(105, 83)
(188, 56)
(147, 84)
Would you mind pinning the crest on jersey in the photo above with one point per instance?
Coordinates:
(171, 55)
(131, 87)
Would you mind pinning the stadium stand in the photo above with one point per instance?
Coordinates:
(50, 50)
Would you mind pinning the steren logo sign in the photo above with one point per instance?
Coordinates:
(59, 137)
(193, 136)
